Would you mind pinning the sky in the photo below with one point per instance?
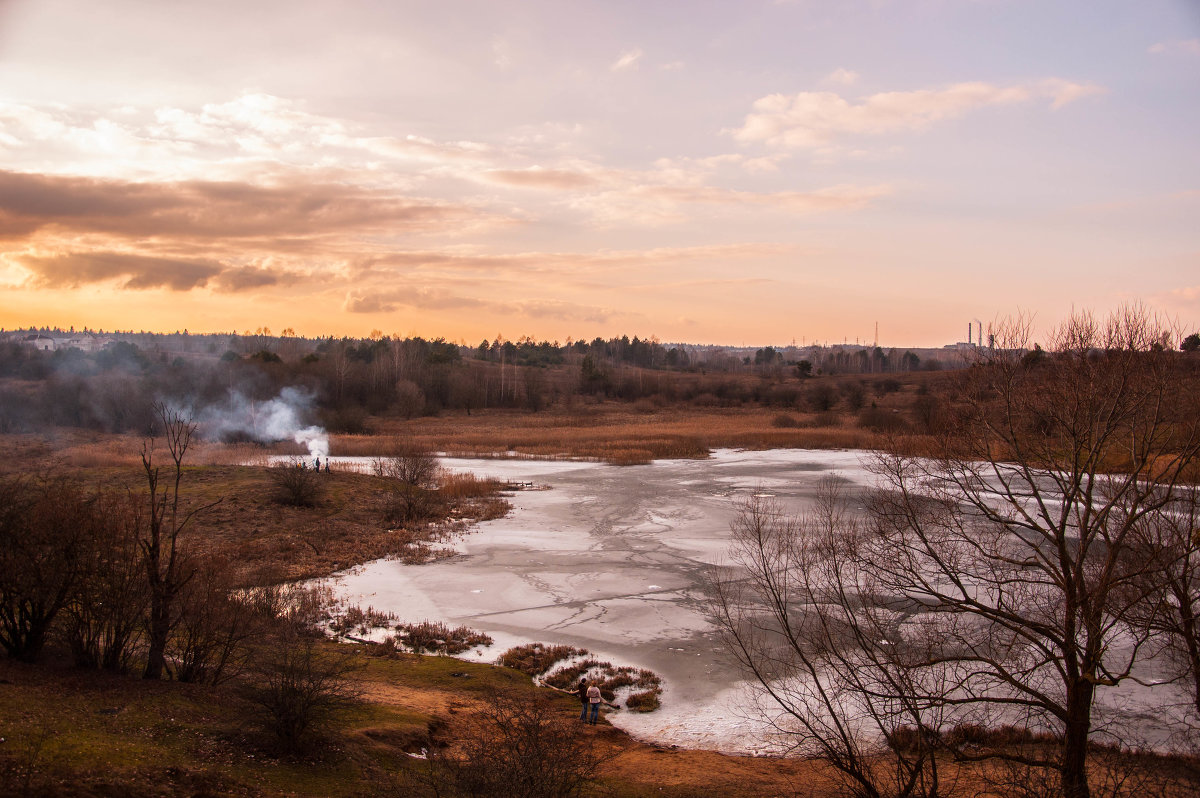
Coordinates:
(743, 172)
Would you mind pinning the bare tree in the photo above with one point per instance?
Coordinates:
(1001, 584)
(1021, 534)
(160, 545)
(1171, 592)
(413, 471)
(840, 675)
(45, 527)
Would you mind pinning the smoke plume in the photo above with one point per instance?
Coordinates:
(278, 419)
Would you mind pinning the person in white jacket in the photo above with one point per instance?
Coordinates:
(593, 694)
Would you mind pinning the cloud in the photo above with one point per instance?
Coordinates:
(1063, 92)
(501, 53)
(665, 204)
(842, 77)
(826, 199)
(563, 311)
(208, 210)
(531, 268)
(243, 138)
(430, 298)
(140, 272)
(628, 60)
(367, 301)
(811, 120)
(537, 177)
(1177, 46)
(245, 278)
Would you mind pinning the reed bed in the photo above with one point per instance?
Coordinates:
(457, 485)
(617, 434)
(101, 454)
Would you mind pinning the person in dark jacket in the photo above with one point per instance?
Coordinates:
(581, 691)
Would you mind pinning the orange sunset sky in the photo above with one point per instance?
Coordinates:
(708, 172)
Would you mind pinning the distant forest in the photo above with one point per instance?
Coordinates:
(108, 381)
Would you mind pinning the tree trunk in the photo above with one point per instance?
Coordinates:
(1075, 740)
(160, 629)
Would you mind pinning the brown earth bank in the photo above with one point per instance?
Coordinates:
(74, 733)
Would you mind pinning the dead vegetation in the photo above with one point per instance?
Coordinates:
(563, 666)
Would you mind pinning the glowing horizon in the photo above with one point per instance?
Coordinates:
(708, 173)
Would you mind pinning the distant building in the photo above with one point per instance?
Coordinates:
(85, 342)
(39, 341)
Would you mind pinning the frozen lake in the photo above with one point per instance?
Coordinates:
(612, 559)
(615, 559)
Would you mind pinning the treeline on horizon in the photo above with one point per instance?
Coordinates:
(525, 351)
(350, 380)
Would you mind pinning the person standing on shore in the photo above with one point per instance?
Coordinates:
(593, 696)
(582, 692)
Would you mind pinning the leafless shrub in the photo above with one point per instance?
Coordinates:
(106, 620)
(407, 504)
(523, 746)
(302, 683)
(46, 529)
(821, 397)
(209, 642)
(407, 463)
(296, 484)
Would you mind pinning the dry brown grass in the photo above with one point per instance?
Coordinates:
(456, 485)
(615, 433)
(607, 432)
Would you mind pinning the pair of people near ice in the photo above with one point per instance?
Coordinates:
(589, 697)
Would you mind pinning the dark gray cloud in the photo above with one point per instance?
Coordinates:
(243, 278)
(74, 269)
(207, 210)
(142, 272)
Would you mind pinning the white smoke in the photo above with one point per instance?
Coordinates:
(277, 419)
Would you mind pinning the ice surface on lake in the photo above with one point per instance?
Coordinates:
(614, 559)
